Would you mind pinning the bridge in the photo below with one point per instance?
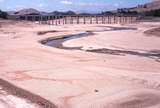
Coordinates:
(81, 19)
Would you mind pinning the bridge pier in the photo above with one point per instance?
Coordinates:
(58, 20)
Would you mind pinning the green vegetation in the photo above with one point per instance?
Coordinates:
(126, 11)
(3, 14)
(155, 13)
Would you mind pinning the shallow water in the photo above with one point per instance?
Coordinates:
(58, 43)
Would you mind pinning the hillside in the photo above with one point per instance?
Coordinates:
(147, 7)
(29, 11)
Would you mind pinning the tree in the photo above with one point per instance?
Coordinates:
(3, 14)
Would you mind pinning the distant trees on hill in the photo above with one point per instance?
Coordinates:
(107, 13)
(155, 13)
(126, 11)
(3, 14)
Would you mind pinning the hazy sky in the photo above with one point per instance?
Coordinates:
(65, 5)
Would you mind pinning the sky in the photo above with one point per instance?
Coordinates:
(66, 5)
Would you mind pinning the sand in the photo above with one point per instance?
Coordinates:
(79, 78)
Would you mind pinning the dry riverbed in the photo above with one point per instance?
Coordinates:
(79, 66)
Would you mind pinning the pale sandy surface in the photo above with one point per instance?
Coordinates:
(10, 101)
(79, 79)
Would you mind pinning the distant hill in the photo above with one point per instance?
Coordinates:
(32, 11)
(43, 13)
(29, 11)
(149, 9)
(155, 5)
(62, 13)
(10, 12)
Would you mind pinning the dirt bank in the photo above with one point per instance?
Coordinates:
(153, 32)
(30, 100)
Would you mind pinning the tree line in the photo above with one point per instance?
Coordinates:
(155, 13)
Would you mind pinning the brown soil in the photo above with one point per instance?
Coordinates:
(153, 32)
(45, 32)
(13, 90)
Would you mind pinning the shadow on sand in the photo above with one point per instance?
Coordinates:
(32, 98)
